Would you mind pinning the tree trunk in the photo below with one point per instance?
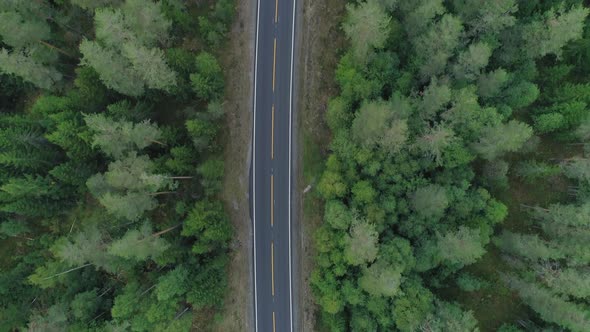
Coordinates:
(68, 271)
(57, 49)
(165, 231)
(163, 193)
(158, 142)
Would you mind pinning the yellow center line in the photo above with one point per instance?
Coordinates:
(273, 322)
(276, 10)
(272, 206)
(272, 136)
(274, 65)
(272, 265)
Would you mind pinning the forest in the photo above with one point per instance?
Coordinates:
(110, 165)
(458, 169)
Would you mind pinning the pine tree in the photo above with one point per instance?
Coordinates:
(117, 138)
(367, 27)
(139, 244)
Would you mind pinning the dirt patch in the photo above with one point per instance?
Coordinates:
(237, 62)
(321, 43)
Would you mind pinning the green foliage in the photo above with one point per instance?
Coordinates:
(117, 138)
(211, 172)
(115, 72)
(449, 317)
(202, 132)
(93, 4)
(124, 55)
(128, 189)
(381, 279)
(367, 27)
(533, 170)
(208, 222)
(470, 283)
(214, 27)
(25, 66)
(463, 247)
(502, 138)
(552, 309)
(471, 62)
(207, 80)
(361, 243)
(119, 72)
(139, 244)
(549, 34)
(434, 48)
(430, 202)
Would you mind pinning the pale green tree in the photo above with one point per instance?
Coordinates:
(420, 14)
(550, 308)
(472, 61)
(115, 71)
(125, 54)
(395, 137)
(111, 28)
(487, 17)
(85, 247)
(337, 214)
(381, 279)
(151, 66)
(129, 206)
(129, 187)
(147, 21)
(449, 317)
(367, 28)
(139, 244)
(116, 138)
(430, 201)
(490, 85)
(502, 138)
(435, 97)
(549, 34)
(23, 65)
(568, 281)
(462, 247)
(528, 246)
(361, 243)
(434, 141)
(19, 32)
(577, 168)
(371, 122)
(435, 46)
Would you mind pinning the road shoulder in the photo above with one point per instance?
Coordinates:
(237, 62)
(319, 40)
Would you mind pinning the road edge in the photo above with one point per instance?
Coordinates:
(296, 161)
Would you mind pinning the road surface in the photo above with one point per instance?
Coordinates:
(271, 165)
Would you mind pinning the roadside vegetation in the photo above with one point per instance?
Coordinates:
(458, 172)
(111, 165)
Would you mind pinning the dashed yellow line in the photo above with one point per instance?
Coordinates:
(272, 134)
(272, 265)
(274, 65)
(274, 324)
(272, 206)
(276, 10)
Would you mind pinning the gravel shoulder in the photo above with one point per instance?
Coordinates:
(237, 61)
(320, 41)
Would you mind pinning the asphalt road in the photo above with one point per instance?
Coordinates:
(271, 165)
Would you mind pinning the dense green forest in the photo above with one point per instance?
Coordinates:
(448, 113)
(110, 164)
